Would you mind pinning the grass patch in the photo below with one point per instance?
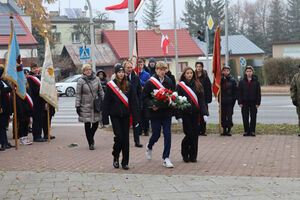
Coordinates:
(261, 129)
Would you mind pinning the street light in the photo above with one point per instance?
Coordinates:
(92, 36)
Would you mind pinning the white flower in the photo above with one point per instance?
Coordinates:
(184, 98)
(155, 91)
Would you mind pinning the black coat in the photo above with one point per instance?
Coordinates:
(38, 102)
(249, 93)
(136, 87)
(205, 81)
(192, 109)
(24, 109)
(147, 98)
(150, 70)
(229, 90)
(5, 98)
(114, 107)
(103, 80)
(172, 77)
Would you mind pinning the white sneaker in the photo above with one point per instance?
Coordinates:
(21, 140)
(167, 163)
(148, 153)
(26, 141)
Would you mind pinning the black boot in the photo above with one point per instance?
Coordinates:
(228, 133)
(299, 134)
(224, 132)
(116, 162)
(3, 147)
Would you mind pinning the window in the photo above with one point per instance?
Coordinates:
(53, 27)
(182, 65)
(56, 37)
(75, 37)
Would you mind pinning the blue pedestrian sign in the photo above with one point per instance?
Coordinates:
(84, 53)
(243, 62)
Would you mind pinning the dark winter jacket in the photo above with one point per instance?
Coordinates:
(24, 109)
(103, 80)
(144, 76)
(150, 70)
(172, 77)
(136, 88)
(114, 107)
(38, 102)
(205, 81)
(229, 89)
(249, 93)
(5, 98)
(147, 98)
(193, 108)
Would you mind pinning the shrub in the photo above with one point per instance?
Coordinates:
(233, 70)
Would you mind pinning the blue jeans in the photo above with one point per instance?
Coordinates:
(156, 128)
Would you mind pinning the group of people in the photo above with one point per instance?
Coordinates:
(128, 100)
(30, 110)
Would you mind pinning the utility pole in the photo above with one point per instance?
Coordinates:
(92, 37)
(131, 25)
(176, 44)
(207, 42)
(226, 34)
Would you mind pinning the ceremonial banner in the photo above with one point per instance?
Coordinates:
(216, 68)
(124, 5)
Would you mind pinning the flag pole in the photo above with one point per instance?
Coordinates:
(48, 121)
(220, 106)
(15, 116)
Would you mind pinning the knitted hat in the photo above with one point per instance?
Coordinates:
(226, 67)
(119, 68)
(152, 60)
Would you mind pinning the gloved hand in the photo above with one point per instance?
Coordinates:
(78, 110)
(295, 103)
(179, 120)
(205, 117)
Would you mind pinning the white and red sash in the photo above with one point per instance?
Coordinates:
(28, 98)
(119, 93)
(190, 92)
(35, 79)
(156, 82)
(8, 95)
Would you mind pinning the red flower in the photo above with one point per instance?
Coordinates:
(166, 90)
(173, 98)
(171, 92)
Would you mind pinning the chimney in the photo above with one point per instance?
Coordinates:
(156, 29)
(83, 13)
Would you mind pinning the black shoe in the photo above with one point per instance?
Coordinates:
(2, 148)
(202, 134)
(91, 147)
(51, 137)
(193, 160)
(186, 159)
(138, 145)
(8, 146)
(246, 134)
(125, 167)
(299, 134)
(252, 134)
(39, 140)
(116, 163)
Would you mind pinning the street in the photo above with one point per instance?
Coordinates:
(273, 110)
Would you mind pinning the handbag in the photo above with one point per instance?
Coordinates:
(97, 100)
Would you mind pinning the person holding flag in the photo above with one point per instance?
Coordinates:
(134, 80)
(192, 89)
(120, 104)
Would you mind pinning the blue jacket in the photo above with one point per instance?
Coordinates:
(144, 76)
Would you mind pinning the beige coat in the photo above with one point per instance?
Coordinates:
(84, 99)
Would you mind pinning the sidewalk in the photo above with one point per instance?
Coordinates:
(264, 167)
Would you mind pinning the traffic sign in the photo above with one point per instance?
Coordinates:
(84, 53)
(243, 62)
(210, 22)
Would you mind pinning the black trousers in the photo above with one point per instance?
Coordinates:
(23, 124)
(3, 126)
(37, 124)
(144, 120)
(90, 130)
(249, 109)
(189, 144)
(226, 117)
(121, 130)
(202, 125)
(45, 124)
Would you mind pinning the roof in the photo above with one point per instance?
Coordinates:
(237, 44)
(5, 8)
(287, 42)
(104, 55)
(65, 19)
(24, 39)
(149, 43)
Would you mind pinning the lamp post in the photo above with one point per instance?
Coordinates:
(226, 33)
(92, 36)
(176, 44)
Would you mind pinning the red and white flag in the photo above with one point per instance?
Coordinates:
(164, 44)
(123, 5)
(135, 61)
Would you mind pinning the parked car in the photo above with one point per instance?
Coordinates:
(67, 86)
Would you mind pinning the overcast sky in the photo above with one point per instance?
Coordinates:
(165, 20)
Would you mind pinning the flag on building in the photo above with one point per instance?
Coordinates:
(164, 44)
(124, 5)
(48, 89)
(13, 65)
(216, 68)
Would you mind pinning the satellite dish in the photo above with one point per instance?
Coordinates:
(86, 7)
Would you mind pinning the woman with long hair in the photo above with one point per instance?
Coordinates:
(192, 89)
(120, 103)
(88, 87)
